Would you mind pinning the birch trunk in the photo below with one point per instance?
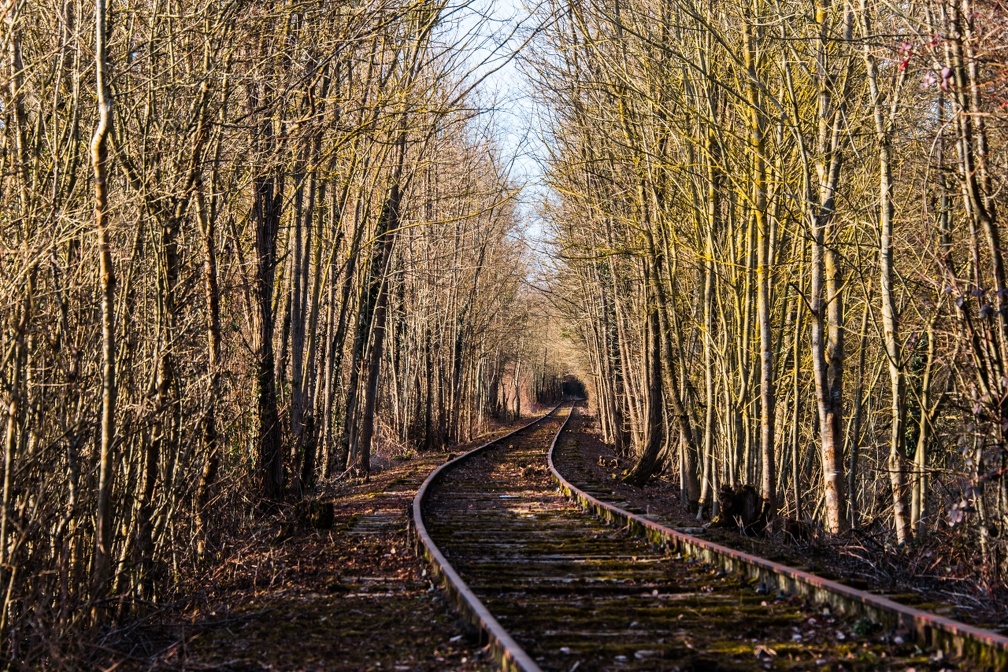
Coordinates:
(890, 321)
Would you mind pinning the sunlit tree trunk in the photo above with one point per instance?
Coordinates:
(768, 477)
(827, 301)
(890, 324)
(102, 565)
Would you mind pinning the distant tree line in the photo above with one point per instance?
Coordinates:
(243, 246)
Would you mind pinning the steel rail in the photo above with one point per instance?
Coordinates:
(507, 652)
(977, 644)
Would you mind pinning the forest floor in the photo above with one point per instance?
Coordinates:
(351, 597)
(356, 596)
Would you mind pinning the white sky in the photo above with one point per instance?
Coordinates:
(489, 33)
(493, 30)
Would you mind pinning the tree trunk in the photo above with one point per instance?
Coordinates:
(209, 434)
(654, 436)
(858, 419)
(890, 324)
(768, 479)
(267, 205)
(377, 296)
(102, 566)
(828, 311)
(387, 240)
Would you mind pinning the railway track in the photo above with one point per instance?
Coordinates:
(556, 589)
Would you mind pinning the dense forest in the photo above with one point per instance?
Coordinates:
(245, 248)
(779, 231)
(252, 250)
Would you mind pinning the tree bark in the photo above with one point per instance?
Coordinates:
(649, 460)
(377, 296)
(828, 311)
(267, 206)
(890, 323)
(768, 478)
(102, 565)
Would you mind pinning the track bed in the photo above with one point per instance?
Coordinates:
(577, 594)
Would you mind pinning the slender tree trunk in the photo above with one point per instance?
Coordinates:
(796, 452)
(612, 355)
(712, 216)
(918, 498)
(378, 297)
(209, 434)
(763, 260)
(267, 205)
(690, 481)
(296, 324)
(18, 323)
(15, 428)
(102, 566)
(365, 316)
(858, 419)
(648, 461)
(890, 324)
(991, 350)
(828, 311)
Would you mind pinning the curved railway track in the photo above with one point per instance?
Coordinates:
(555, 589)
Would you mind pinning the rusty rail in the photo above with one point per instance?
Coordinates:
(977, 644)
(507, 652)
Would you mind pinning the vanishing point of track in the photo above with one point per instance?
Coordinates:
(555, 589)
